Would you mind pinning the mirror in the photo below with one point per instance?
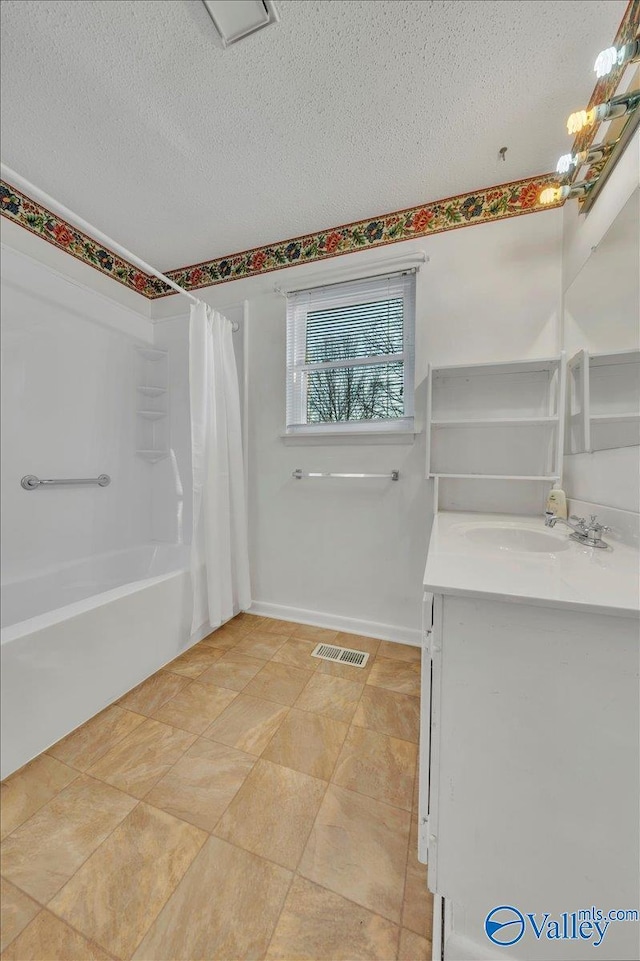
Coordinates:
(602, 314)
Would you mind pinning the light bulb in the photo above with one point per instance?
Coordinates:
(606, 61)
(612, 57)
(577, 121)
(550, 195)
(564, 164)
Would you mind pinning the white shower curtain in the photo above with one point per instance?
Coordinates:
(219, 552)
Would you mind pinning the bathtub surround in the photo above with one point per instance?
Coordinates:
(157, 809)
(68, 397)
(219, 548)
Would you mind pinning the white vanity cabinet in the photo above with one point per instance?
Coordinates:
(529, 762)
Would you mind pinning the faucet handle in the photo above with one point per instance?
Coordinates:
(579, 520)
(595, 525)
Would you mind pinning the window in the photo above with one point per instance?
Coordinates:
(350, 356)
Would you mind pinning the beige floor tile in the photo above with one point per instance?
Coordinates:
(200, 786)
(397, 715)
(22, 794)
(261, 644)
(248, 724)
(47, 937)
(379, 766)
(84, 746)
(278, 682)
(307, 742)
(118, 893)
(195, 661)
(315, 634)
(297, 653)
(400, 652)
(332, 696)
(413, 947)
(417, 914)
(17, 910)
(316, 923)
(272, 813)
(143, 757)
(236, 899)
(400, 676)
(195, 707)
(358, 642)
(357, 848)
(42, 854)
(233, 671)
(273, 626)
(153, 693)
(250, 621)
(223, 639)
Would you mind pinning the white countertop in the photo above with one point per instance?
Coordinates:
(577, 577)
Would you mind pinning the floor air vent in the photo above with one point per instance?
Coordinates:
(341, 655)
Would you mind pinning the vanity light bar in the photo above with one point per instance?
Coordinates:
(590, 156)
(553, 195)
(616, 57)
(610, 110)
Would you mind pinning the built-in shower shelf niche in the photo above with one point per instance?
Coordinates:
(152, 405)
(501, 423)
(152, 391)
(152, 456)
(151, 414)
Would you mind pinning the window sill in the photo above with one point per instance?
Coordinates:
(344, 438)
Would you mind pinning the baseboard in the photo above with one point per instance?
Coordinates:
(334, 622)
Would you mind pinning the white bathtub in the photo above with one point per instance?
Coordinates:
(77, 638)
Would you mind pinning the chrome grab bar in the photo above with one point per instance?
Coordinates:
(299, 474)
(30, 482)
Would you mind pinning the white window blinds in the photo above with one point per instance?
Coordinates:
(350, 355)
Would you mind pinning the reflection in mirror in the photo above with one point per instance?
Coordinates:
(602, 314)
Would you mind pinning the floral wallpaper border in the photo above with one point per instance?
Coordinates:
(464, 210)
(28, 213)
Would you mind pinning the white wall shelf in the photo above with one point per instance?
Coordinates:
(501, 421)
(495, 421)
(604, 401)
(547, 478)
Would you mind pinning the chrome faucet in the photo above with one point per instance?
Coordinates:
(589, 534)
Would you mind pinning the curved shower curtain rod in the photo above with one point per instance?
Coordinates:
(21, 183)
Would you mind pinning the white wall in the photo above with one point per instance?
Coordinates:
(604, 314)
(352, 553)
(68, 402)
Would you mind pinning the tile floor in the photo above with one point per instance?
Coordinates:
(247, 801)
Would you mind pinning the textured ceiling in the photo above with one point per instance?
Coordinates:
(131, 114)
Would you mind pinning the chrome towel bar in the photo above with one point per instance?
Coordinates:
(30, 482)
(299, 474)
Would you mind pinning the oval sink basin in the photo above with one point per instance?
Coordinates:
(521, 539)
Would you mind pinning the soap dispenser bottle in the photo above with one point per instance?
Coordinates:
(557, 502)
